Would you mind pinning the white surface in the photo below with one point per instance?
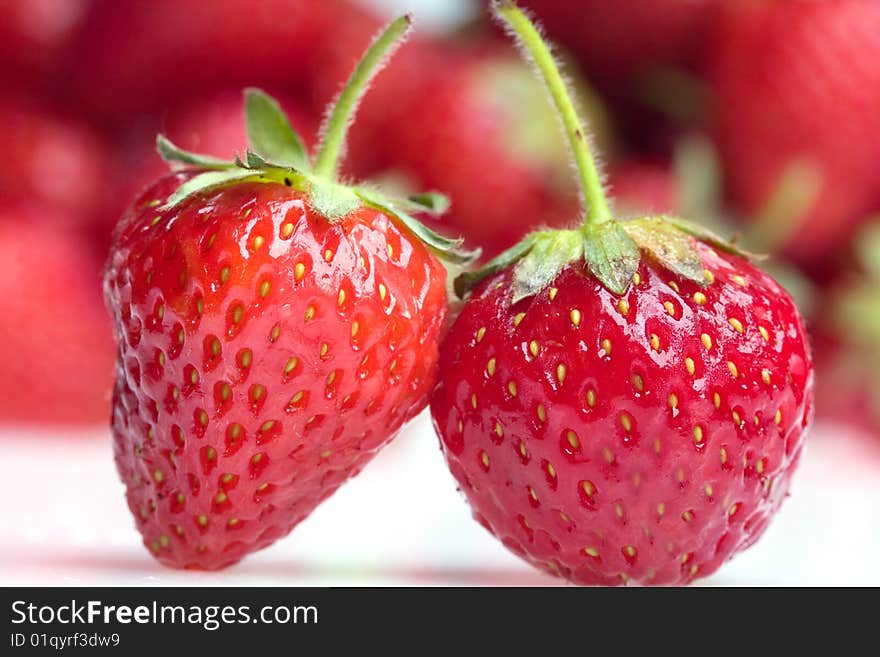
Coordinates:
(401, 522)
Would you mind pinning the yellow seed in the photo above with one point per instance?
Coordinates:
(533, 494)
(606, 346)
(710, 277)
(706, 339)
(674, 286)
(490, 367)
(661, 509)
(485, 459)
(575, 316)
(273, 336)
(542, 413)
(689, 364)
(765, 376)
(708, 490)
(589, 488)
(383, 291)
(737, 419)
(340, 300)
(723, 456)
(623, 306)
(608, 455)
(265, 286)
(202, 520)
(522, 449)
(194, 377)
(259, 240)
(687, 516)
(551, 471)
(716, 399)
(637, 280)
(310, 313)
(655, 342)
(518, 318)
(572, 439)
(159, 476)
(390, 251)
(638, 382)
(287, 230)
(698, 434)
(699, 298)
(480, 333)
(324, 349)
(673, 400)
(626, 422)
(299, 271)
(474, 401)
(245, 358)
(220, 498)
(499, 430)
(618, 509)
(534, 348)
(355, 327)
(734, 372)
(560, 373)
(630, 551)
(224, 274)
(328, 255)
(161, 359)
(670, 309)
(296, 398)
(553, 292)
(736, 324)
(759, 466)
(591, 552)
(778, 417)
(733, 509)
(764, 333)
(511, 388)
(591, 398)
(739, 280)
(657, 445)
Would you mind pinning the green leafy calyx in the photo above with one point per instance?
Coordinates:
(276, 153)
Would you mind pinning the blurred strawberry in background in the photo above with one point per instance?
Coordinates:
(145, 55)
(55, 340)
(797, 117)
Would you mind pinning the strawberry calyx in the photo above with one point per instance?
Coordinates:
(277, 154)
(610, 248)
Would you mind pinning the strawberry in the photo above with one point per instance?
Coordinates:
(55, 340)
(138, 55)
(275, 330)
(52, 159)
(797, 106)
(621, 401)
(644, 185)
(470, 120)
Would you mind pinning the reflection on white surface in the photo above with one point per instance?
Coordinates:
(401, 522)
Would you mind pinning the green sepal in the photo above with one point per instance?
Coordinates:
(173, 154)
(466, 281)
(270, 134)
(331, 199)
(207, 181)
(433, 203)
(444, 247)
(549, 255)
(254, 161)
(668, 246)
(712, 239)
(611, 255)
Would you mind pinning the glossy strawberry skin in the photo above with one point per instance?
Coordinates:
(55, 338)
(583, 441)
(799, 81)
(246, 396)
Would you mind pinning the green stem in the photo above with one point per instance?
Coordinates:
(536, 49)
(339, 119)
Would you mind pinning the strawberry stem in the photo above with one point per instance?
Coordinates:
(531, 42)
(340, 117)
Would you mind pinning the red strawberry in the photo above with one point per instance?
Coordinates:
(145, 54)
(798, 90)
(275, 330)
(644, 186)
(473, 122)
(620, 402)
(211, 125)
(55, 340)
(53, 160)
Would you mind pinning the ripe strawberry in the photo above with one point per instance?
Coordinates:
(146, 54)
(620, 402)
(472, 121)
(644, 186)
(52, 160)
(55, 340)
(797, 105)
(275, 328)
